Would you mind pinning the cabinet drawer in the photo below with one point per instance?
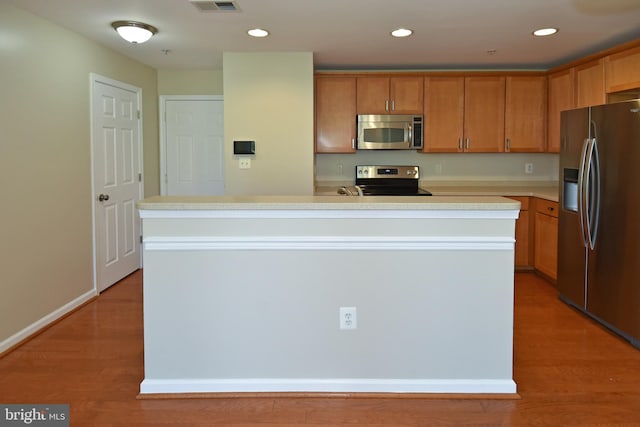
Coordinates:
(524, 202)
(547, 207)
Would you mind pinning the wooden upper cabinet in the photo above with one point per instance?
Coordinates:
(389, 95)
(335, 114)
(525, 113)
(622, 71)
(484, 99)
(406, 94)
(443, 114)
(560, 98)
(589, 84)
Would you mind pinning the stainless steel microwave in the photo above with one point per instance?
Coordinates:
(389, 132)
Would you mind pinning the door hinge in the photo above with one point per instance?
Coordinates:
(139, 177)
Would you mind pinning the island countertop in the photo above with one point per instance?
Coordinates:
(327, 203)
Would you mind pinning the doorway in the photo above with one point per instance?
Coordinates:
(116, 153)
(191, 145)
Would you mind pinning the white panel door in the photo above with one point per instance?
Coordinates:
(116, 181)
(194, 147)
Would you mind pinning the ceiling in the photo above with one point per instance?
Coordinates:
(354, 34)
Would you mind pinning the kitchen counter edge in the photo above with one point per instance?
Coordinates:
(454, 202)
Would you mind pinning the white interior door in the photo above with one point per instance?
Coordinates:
(194, 141)
(117, 179)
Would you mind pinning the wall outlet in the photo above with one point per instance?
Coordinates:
(244, 163)
(348, 318)
(528, 168)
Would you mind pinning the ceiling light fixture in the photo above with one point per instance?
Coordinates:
(401, 32)
(133, 31)
(545, 32)
(258, 32)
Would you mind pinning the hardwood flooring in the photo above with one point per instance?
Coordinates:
(569, 371)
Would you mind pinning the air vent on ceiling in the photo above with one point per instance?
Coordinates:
(215, 6)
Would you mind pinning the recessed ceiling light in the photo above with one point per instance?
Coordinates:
(401, 32)
(258, 32)
(545, 32)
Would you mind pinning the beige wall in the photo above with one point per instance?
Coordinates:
(190, 82)
(443, 166)
(45, 162)
(268, 98)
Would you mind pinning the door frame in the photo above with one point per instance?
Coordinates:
(162, 119)
(97, 78)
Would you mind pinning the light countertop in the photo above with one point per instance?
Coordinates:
(544, 190)
(454, 202)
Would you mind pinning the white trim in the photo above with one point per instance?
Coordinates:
(162, 111)
(46, 320)
(329, 385)
(97, 78)
(378, 243)
(318, 212)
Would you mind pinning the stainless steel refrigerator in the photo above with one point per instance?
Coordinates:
(599, 219)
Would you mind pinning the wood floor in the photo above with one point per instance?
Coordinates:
(569, 371)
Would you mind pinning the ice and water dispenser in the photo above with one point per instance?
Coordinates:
(570, 189)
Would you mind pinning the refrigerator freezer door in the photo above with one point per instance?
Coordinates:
(613, 285)
(572, 252)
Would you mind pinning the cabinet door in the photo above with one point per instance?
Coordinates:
(406, 95)
(560, 99)
(526, 105)
(546, 238)
(523, 240)
(373, 95)
(484, 99)
(335, 114)
(443, 114)
(590, 84)
(622, 70)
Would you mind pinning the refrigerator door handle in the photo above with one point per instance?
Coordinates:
(582, 191)
(594, 194)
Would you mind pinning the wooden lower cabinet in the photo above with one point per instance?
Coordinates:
(546, 238)
(524, 242)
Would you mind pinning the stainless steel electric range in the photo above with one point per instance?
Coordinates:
(385, 180)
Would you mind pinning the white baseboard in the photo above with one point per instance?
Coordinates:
(45, 321)
(332, 385)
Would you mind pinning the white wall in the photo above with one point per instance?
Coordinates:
(268, 98)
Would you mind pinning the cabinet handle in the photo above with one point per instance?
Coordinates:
(550, 209)
(353, 143)
(386, 105)
(508, 144)
(393, 105)
(467, 144)
(460, 144)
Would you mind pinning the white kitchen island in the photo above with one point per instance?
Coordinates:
(243, 294)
